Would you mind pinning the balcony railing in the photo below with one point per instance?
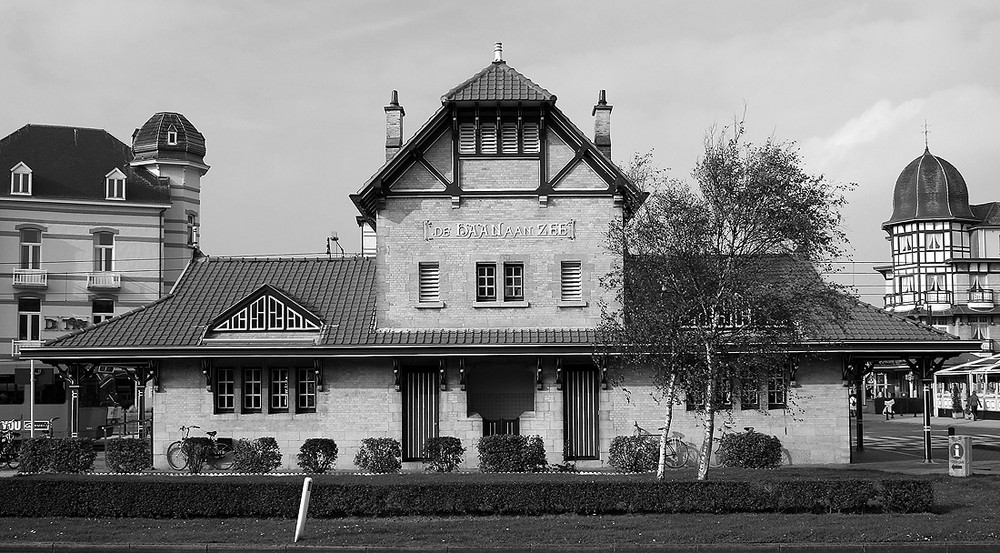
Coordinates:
(31, 278)
(16, 345)
(981, 298)
(104, 280)
(902, 298)
(937, 297)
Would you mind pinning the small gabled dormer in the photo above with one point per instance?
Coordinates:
(114, 185)
(20, 180)
(266, 313)
(171, 135)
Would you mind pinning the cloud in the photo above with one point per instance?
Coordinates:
(881, 118)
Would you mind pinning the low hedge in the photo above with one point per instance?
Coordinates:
(317, 455)
(634, 453)
(57, 455)
(128, 455)
(256, 456)
(142, 497)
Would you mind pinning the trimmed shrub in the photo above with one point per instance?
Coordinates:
(57, 455)
(444, 454)
(317, 455)
(197, 451)
(750, 450)
(379, 455)
(146, 497)
(634, 453)
(128, 455)
(35, 454)
(511, 453)
(257, 456)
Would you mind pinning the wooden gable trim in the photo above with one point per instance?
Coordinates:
(310, 322)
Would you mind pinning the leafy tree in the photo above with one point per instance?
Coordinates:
(718, 281)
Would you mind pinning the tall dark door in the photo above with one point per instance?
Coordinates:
(581, 394)
(420, 412)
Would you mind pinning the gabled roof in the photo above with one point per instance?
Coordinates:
(72, 162)
(341, 291)
(498, 82)
(988, 213)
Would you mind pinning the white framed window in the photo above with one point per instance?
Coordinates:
(513, 282)
(29, 318)
(114, 183)
(102, 310)
(906, 283)
(305, 398)
(171, 135)
(486, 282)
(777, 390)
(279, 391)
(936, 282)
(980, 327)
(935, 240)
(430, 282)
(252, 389)
(104, 251)
(571, 281)
(20, 180)
(225, 390)
(31, 248)
(192, 229)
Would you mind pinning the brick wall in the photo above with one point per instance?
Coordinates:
(498, 174)
(402, 245)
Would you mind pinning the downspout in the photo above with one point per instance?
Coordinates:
(162, 253)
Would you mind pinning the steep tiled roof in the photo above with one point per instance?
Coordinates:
(150, 140)
(498, 82)
(72, 162)
(988, 213)
(342, 293)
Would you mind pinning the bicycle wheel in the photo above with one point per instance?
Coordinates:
(222, 458)
(176, 457)
(676, 454)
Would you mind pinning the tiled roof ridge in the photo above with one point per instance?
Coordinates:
(114, 319)
(78, 127)
(907, 320)
(489, 329)
(500, 66)
(276, 258)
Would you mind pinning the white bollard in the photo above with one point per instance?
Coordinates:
(300, 524)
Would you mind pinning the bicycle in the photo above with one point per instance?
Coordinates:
(677, 451)
(220, 456)
(10, 449)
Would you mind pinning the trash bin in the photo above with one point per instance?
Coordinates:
(959, 455)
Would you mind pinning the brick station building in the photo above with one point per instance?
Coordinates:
(474, 316)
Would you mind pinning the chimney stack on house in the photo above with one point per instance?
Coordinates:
(498, 52)
(602, 125)
(393, 126)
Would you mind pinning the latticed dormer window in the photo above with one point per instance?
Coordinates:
(172, 136)
(20, 180)
(268, 312)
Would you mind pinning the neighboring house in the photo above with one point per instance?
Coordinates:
(945, 272)
(475, 315)
(90, 228)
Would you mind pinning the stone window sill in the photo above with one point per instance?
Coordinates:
(499, 304)
(430, 305)
(571, 303)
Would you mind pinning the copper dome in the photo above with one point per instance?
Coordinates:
(930, 188)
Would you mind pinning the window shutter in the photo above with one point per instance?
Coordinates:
(430, 282)
(509, 138)
(467, 138)
(489, 138)
(572, 281)
(531, 142)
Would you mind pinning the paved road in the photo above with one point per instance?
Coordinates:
(902, 438)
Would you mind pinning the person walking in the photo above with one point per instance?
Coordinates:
(974, 405)
(887, 410)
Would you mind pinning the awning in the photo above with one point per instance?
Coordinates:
(983, 365)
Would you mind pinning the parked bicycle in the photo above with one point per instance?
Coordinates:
(677, 451)
(10, 449)
(220, 456)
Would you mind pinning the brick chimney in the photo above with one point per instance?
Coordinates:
(393, 126)
(602, 125)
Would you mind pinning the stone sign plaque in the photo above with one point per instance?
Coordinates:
(492, 230)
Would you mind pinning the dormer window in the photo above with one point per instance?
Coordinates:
(115, 185)
(20, 180)
(172, 136)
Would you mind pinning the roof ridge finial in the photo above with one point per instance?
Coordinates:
(927, 149)
(498, 52)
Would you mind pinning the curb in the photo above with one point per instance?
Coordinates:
(882, 547)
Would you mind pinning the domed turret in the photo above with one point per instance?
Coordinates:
(929, 188)
(168, 135)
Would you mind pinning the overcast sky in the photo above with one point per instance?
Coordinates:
(289, 95)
